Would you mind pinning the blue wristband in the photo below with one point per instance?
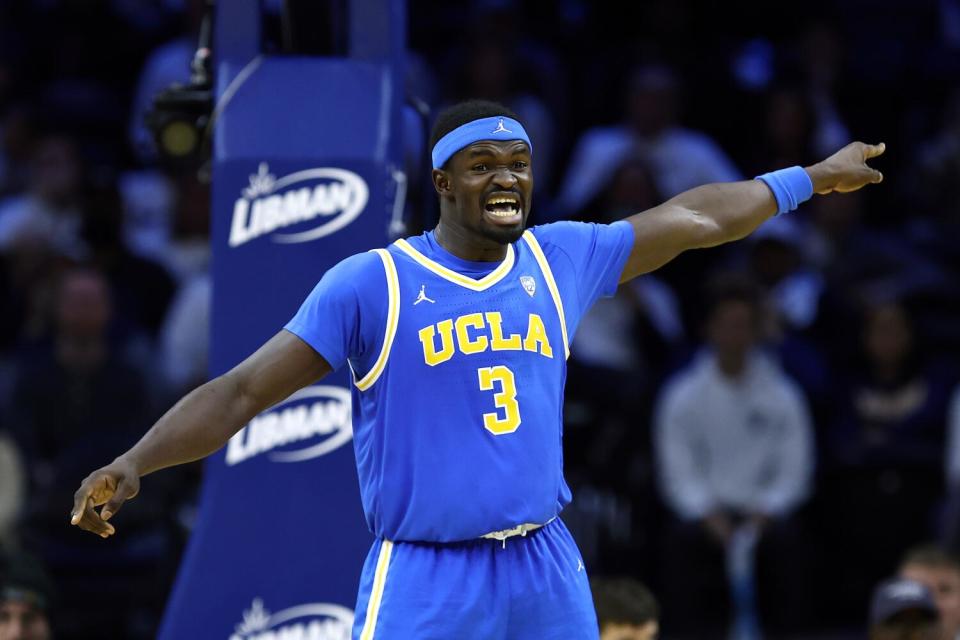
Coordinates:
(790, 187)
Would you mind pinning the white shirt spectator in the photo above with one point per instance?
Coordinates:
(185, 336)
(722, 443)
(149, 199)
(605, 337)
(681, 159)
(26, 218)
(953, 441)
(13, 488)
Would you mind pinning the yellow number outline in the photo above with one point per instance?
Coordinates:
(505, 399)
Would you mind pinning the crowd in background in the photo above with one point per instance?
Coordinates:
(758, 431)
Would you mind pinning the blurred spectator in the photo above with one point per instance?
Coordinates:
(50, 212)
(681, 158)
(903, 610)
(185, 334)
(939, 572)
(788, 132)
(13, 488)
(149, 195)
(28, 274)
(491, 72)
(795, 291)
(894, 405)
(951, 533)
(861, 263)
(626, 610)
(149, 201)
(185, 337)
(16, 145)
(501, 61)
(628, 337)
(734, 448)
(936, 187)
(141, 289)
(777, 261)
(823, 52)
(26, 599)
(72, 395)
(617, 357)
(187, 254)
(883, 452)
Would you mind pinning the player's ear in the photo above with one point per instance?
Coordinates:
(441, 181)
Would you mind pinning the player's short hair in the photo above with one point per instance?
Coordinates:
(623, 601)
(930, 555)
(464, 112)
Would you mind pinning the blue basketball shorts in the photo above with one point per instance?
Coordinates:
(534, 586)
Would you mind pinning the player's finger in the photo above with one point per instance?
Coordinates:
(124, 492)
(877, 177)
(91, 521)
(80, 499)
(873, 150)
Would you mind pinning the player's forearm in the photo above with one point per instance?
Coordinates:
(199, 424)
(727, 211)
(208, 416)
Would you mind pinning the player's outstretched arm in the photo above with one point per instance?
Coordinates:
(201, 423)
(718, 213)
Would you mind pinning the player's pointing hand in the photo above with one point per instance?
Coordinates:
(110, 486)
(847, 169)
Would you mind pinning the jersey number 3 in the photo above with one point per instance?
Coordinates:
(505, 399)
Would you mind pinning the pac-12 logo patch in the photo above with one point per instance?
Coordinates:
(529, 285)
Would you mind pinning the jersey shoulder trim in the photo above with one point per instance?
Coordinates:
(537, 251)
(482, 284)
(393, 318)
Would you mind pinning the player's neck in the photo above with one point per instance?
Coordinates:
(466, 245)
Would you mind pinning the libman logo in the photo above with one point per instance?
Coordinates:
(310, 423)
(328, 198)
(316, 621)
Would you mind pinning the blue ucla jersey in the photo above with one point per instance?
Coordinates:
(458, 372)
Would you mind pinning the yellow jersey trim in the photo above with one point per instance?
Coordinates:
(531, 240)
(393, 318)
(376, 593)
(482, 284)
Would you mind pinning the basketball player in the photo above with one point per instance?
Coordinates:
(457, 342)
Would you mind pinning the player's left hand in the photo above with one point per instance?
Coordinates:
(847, 169)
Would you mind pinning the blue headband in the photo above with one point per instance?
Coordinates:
(492, 128)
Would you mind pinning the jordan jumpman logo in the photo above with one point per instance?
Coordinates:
(422, 297)
(500, 128)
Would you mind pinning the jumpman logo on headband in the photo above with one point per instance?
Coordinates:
(422, 297)
(500, 128)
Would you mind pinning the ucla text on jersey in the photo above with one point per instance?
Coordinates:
(458, 372)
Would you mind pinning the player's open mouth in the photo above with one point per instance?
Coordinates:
(504, 209)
